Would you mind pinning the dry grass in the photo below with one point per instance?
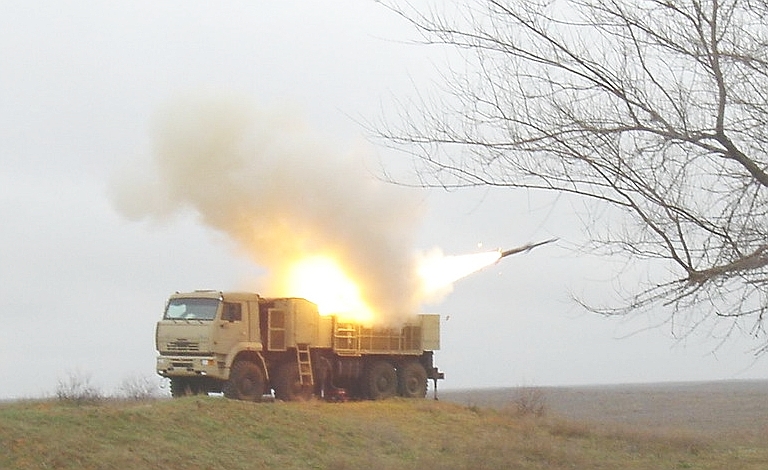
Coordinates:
(213, 433)
(736, 410)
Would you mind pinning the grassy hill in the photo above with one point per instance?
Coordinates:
(215, 433)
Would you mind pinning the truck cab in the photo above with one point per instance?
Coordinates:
(198, 334)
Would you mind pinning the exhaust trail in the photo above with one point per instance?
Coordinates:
(439, 272)
(282, 192)
(312, 215)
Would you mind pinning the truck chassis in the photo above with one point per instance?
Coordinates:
(292, 350)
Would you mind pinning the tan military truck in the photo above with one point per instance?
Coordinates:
(247, 346)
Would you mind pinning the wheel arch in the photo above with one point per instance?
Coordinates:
(251, 356)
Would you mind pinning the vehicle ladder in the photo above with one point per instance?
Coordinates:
(304, 360)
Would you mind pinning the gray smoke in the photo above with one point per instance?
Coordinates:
(281, 192)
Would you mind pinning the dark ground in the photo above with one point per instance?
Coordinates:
(731, 409)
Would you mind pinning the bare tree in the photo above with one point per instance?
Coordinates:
(656, 109)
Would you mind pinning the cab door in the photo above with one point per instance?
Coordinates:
(231, 326)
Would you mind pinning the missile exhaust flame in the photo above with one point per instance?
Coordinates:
(323, 280)
(274, 187)
(438, 273)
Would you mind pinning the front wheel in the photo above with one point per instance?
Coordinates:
(183, 387)
(180, 387)
(246, 382)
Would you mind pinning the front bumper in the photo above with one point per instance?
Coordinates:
(192, 366)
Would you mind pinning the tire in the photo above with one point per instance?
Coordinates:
(246, 382)
(187, 386)
(412, 378)
(381, 381)
(180, 387)
(288, 385)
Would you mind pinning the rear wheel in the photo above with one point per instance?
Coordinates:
(413, 380)
(246, 382)
(381, 381)
(288, 386)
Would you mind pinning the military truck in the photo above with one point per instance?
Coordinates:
(248, 347)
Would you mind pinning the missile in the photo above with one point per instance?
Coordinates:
(524, 248)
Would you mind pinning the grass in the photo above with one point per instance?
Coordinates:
(215, 433)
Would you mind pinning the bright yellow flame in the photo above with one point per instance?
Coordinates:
(439, 272)
(321, 280)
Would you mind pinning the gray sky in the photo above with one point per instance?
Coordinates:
(81, 286)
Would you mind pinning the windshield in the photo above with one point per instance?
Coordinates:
(191, 309)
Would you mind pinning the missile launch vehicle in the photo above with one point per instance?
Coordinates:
(247, 347)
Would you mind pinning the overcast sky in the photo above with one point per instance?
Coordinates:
(81, 286)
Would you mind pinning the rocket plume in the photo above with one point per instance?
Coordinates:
(273, 186)
(438, 272)
(322, 226)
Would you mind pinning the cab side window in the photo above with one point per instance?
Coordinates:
(232, 312)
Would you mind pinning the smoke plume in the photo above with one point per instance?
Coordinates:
(281, 193)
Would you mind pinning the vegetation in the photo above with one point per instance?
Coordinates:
(212, 433)
(651, 113)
